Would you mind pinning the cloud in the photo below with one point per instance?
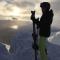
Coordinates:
(24, 3)
(6, 9)
(21, 3)
(3, 2)
(56, 5)
(7, 1)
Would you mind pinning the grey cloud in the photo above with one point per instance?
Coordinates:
(56, 5)
(7, 1)
(24, 4)
(21, 3)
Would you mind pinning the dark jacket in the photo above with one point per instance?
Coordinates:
(45, 24)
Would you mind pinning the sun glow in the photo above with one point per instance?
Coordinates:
(15, 11)
(14, 27)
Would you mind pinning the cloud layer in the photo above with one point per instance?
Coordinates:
(27, 6)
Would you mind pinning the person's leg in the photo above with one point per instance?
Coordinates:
(42, 47)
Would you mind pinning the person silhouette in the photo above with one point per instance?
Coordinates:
(44, 26)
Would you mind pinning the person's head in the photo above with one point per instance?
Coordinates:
(45, 6)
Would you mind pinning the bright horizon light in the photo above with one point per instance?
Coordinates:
(14, 27)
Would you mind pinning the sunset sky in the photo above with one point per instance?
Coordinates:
(20, 9)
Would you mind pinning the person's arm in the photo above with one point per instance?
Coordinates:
(47, 18)
(37, 22)
(51, 16)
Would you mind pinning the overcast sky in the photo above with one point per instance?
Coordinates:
(28, 3)
(23, 8)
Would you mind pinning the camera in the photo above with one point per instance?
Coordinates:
(32, 15)
(33, 12)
